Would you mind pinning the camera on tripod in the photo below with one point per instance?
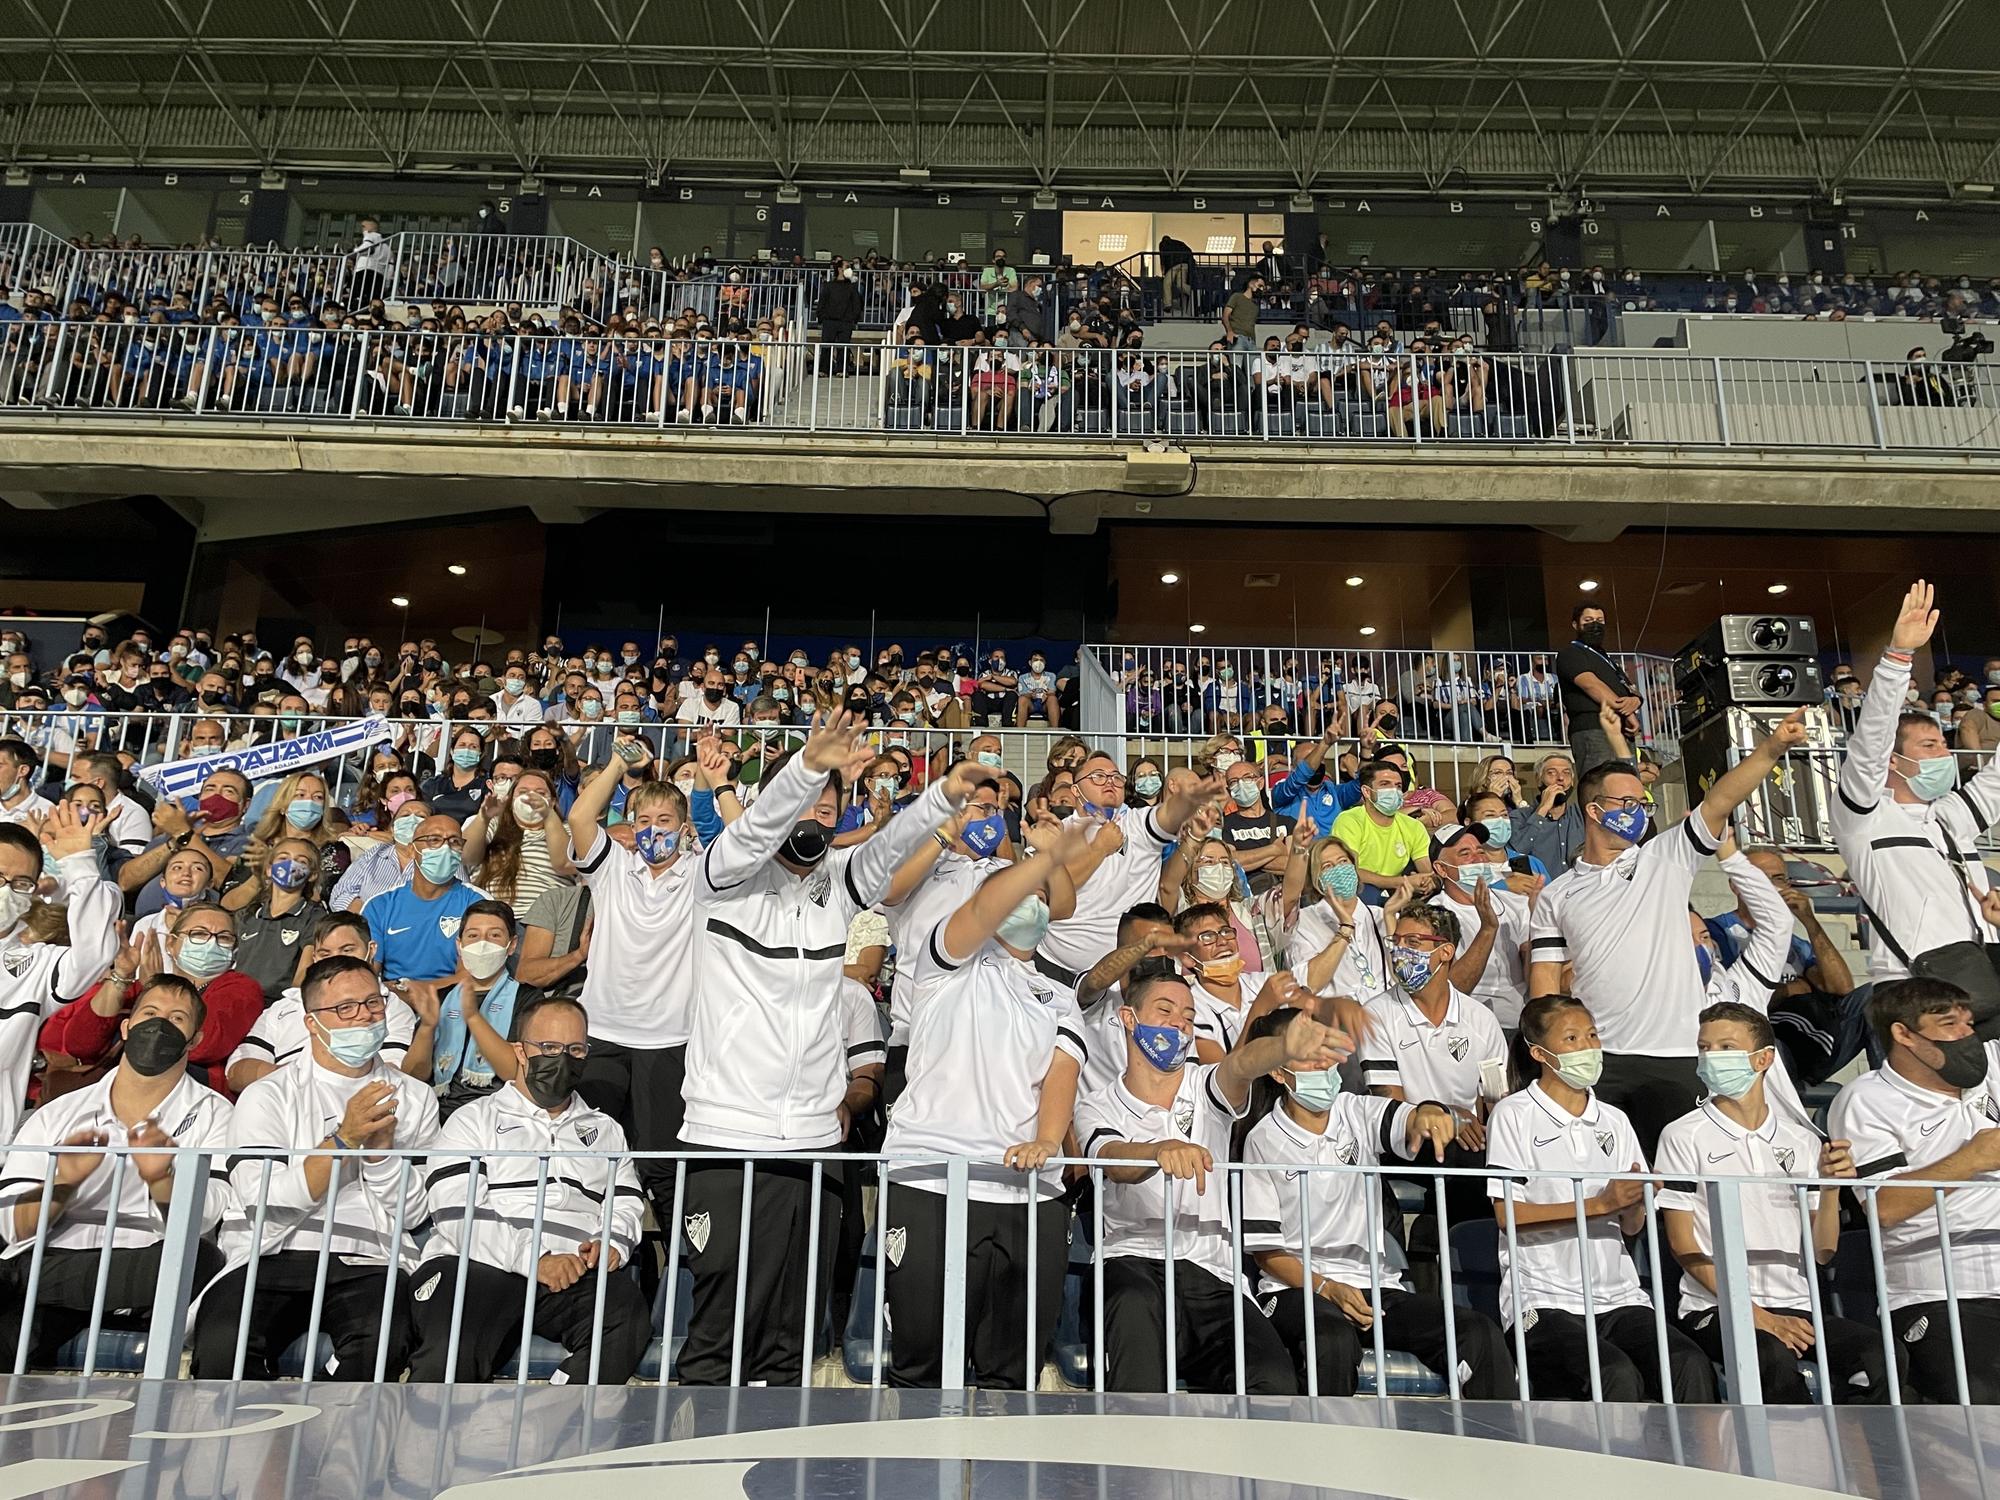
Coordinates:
(1967, 344)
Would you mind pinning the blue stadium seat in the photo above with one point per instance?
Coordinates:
(1408, 1375)
(857, 1341)
(292, 1363)
(120, 1351)
(666, 1346)
(545, 1356)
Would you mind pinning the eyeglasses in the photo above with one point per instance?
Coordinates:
(1104, 778)
(578, 1051)
(1417, 940)
(1210, 938)
(23, 886)
(1621, 804)
(354, 1010)
(220, 939)
(439, 841)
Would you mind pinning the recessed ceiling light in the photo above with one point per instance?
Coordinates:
(399, 601)
(1355, 581)
(1589, 585)
(1367, 629)
(1170, 578)
(1777, 588)
(1196, 629)
(457, 570)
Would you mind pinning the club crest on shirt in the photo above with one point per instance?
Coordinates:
(288, 935)
(697, 1227)
(1184, 1116)
(1915, 1332)
(428, 1290)
(186, 1125)
(1345, 1152)
(1458, 1046)
(1990, 1107)
(1605, 1140)
(1270, 1305)
(587, 1134)
(1786, 1156)
(448, 926)
(819, 886)
(16, 963)
(894, 1243)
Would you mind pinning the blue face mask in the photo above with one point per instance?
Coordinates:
(1933, 777)
(465, 757)
(289, 874)
(356, 1045)
(656, 845)
(1389, 801)
(1705, 961)
(1096, 810)
(983, 835)
(405, 828)
(1316, 1091)
(1147, 786)
(1727, 1074)
(439, 866)
(782, 694)
(1498, 832)
(1627, 823)
(1469, 877)
(1414, 967)
(993, 760)
(304, 812)
(1341, 881)
(1165, 1047)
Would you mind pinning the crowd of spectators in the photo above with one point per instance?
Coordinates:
(735, 903)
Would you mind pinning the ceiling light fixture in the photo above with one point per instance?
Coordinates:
(1367, 629)
(1589, 585)
(457, 570)
(1196, 629)
(399, 601)
(1777, 588)
(1355, 581)
(1170, 578)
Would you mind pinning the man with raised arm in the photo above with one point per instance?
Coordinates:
(767, 1053)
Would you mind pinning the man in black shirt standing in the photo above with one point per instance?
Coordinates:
(1589, 679)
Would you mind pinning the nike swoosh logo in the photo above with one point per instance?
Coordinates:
(397, 931)
(503, 1129)
(1724, 1157)
(1411, 1042)
(1549, 1142)
(1930, 1129)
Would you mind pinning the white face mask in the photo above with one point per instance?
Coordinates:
(483, 960)
(1215, 880)
(528, 808)
(13, 907)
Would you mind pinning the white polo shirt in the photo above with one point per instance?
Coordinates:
(38, 978)
(982, 1036)
(1528, 1131)
(949, 885)
(131, 824)
(1503, 983)
(1363, 971)
(639, 988)
(861, 1019)
(1135, 1212)
(1706, 1143)
(1624, 926)
(278, 1036)
(1897, 1127)
(1361, 1129)
(1104, 1037)
(1430, 1064)
(1130, 876)
(1215, 1019)
(192, 1114)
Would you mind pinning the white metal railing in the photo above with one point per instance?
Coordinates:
(194, 281)
(1308, 401)
(1470, 697)
(1469, 1264)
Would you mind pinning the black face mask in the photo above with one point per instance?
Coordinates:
(807, 844)
(212, 698)
(713, 695)
(544, 760)
(1964, 1065)
(1591, 634)
(550, 1080)
(155, 1045)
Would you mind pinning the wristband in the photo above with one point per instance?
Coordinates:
(943, 843)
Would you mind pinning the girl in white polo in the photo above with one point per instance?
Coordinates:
(1555, 1124)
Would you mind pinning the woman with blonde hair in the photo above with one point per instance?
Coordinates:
(297, 810)
(1496, 774)
(1337, 944)
(283, 899)
(517, 847)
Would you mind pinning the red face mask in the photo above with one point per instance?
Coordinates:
(218, 808)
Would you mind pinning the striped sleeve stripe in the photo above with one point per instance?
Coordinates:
(1262, 1226)
(1882, 1164)
(1090, 1146)
(1540, 943)
(1074, 1039)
